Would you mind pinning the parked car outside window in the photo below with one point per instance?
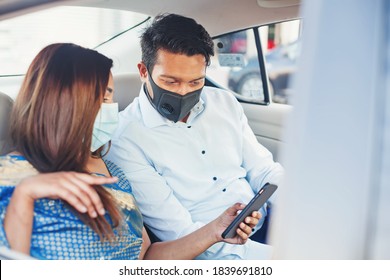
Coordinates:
(236, 64)
(281, 64)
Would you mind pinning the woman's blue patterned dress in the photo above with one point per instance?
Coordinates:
(58, 233)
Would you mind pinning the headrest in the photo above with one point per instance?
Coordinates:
(127, 87)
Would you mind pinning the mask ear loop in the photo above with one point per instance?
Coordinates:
(98, 152)
(147, 91)
(148, 94)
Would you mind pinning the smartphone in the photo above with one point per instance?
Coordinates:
(254, 205)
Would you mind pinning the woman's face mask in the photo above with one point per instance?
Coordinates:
(171, 105)
(105, 125)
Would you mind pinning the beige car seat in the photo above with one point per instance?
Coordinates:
(6, 104)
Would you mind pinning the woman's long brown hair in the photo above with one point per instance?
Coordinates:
(54, 112)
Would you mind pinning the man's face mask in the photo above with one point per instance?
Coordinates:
(171, 105)
(105, 124)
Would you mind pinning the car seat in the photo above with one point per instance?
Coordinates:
(6, 104)
(127, 87)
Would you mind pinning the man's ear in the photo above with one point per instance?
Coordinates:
(143, 71)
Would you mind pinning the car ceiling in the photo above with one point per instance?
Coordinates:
(218, 16)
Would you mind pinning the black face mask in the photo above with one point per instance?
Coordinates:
(171, 105)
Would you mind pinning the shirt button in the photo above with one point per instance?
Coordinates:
(215, 178)
(203, 152)
(189, 126)
(224, 190)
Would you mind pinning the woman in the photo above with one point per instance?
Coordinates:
(59, 199)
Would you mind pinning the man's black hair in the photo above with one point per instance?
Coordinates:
(176, 34)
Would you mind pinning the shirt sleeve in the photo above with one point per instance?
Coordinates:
(161, 210)
(257, 160)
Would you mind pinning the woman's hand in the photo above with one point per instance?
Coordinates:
(72, 187)
(244, 229)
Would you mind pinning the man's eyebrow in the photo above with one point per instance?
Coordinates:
(110, 90)
(200, 78)
(176, 78)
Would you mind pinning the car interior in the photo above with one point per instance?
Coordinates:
(333, 138)
(266, 118)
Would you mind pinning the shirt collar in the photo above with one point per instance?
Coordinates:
(152, 117)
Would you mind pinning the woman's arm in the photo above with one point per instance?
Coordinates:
(18, 222)
(195, 243)
(74, 188)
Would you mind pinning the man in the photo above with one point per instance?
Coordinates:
(186, 149)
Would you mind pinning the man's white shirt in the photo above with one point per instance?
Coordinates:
(184, 175)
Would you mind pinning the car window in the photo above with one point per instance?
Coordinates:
(238, 56)
(21, 38)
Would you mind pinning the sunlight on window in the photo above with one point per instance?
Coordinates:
(21, 38)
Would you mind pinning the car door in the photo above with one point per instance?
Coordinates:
(335, 199)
